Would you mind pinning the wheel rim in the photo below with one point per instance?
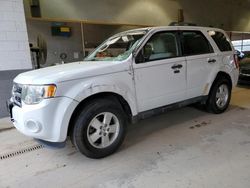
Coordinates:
(103, 130)
(222, 96)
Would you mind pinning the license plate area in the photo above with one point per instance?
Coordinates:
(10, 106)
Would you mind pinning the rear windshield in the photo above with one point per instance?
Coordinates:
(221, 40)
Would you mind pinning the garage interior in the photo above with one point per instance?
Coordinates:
(187, 147)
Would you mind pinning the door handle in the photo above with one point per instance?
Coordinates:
(179, 66)
(211, 61)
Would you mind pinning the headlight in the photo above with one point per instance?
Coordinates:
(32, 94)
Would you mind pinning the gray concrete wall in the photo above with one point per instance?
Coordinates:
(56, 44)
(6, 82)
(148, 12)
(72, 46)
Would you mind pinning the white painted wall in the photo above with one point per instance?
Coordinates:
(241, 15)
(14, 47)
(149, 12)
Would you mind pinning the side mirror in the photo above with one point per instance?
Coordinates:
(144, 54)
(239, 54)
(147, 51)
(139, 58)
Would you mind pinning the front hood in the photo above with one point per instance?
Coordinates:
(70, 71)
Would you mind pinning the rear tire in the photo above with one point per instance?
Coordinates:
(219, 96)
(99, 129)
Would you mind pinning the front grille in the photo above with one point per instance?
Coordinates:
(17, 94)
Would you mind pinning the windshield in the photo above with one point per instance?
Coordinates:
(118, 47)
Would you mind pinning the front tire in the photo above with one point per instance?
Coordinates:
(219, 96)
(99, 129)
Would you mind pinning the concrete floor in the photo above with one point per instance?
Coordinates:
(183, 148)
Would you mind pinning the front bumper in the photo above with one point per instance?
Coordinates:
(47, 120)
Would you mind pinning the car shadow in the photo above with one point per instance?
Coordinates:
(140, 131)
(244, 85)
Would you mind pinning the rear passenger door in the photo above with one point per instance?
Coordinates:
(201, 61)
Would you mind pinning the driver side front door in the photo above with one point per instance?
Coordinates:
(160, 79)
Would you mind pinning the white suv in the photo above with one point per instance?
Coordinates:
(132, 75)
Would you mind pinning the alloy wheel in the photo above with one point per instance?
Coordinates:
(103, 130)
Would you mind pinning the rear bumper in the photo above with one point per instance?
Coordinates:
(46, 121)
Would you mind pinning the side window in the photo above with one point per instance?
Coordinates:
(221, 40)
(161, 45)
(195, 43)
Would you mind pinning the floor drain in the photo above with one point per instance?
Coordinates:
(19, 152)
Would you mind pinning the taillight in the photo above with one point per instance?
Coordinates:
(236, 61)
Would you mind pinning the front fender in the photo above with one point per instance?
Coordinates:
(120, 84)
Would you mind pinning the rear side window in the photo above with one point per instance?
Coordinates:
(195, 43)
(221, 40)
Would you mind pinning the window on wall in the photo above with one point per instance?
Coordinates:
(195, 43)
(221, 41)
(242, 45)
(163, 45)
(241, 41)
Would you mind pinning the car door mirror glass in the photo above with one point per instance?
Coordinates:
(147, 51)
(139, 58)
(144, 54)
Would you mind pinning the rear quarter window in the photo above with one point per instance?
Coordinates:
(221, 40)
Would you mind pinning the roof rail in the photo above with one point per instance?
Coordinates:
(182, 24)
